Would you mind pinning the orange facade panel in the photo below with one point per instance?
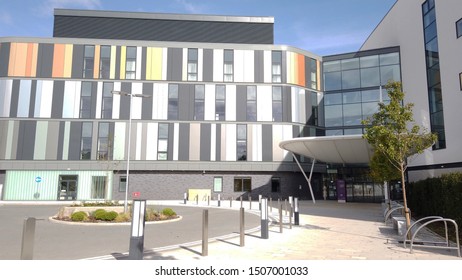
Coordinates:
(301, 70)
(96, 62)
(23, 60)
(58, 60)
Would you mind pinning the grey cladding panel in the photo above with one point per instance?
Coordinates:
(259, 69)
(14, 99)
(186, 102)
(163, 30)
(58, 99)
(26, 142)
(74, 141)
(125, 102)
(206, 131)
(183, 143)
(286, 103)
(174, 64)
(45, 60)
(267, 142)
(33, 93)
(146, 109)
(208, 65)
(77, 62)
(4, 59)
(61, 140)
(241, 103)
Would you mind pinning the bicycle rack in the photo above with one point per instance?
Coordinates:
(409, 230)
(436, 219)
(390, 211)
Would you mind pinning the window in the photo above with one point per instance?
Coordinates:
(276, 66)
(122, 183)
(199, 97)
(314, 109)
(459, 28)
(314, 74)
(85, 146)
(228, 70)
(172, 102)
(242, 184)
(103, 142)
(105, 62)
(106, 107)
(162, 142)
(88, 61)
(277, 104)
(241, 142)
(98, 187)
(192, 64)
(85, 100)
(218, 184)
(220, 102)
(276, 184)
(251, 103)
(460, 80)
(130, 64)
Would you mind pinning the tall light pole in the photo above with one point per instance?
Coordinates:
(129, 138)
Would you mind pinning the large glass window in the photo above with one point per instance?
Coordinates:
(334, 115)
(130, 68)
(459, 28)
(370, 77)
(218, 184)
(277, 104)
(85, 100)
(389, 73)
(105, 62)
(106, 107)
(88, 61)
(332, 81)
(103, 142)
(242, 184)
(276, 68)
(199, 99)
(350, 79)
(162, 142)
(220, 102)
(314, 73)
(228, 70)
(251, 103)
(241, 148)
(332, 98)
(352, 114)
(98, 187)
(173, 102)
(192, 64)
(122, 183)
(85, 147)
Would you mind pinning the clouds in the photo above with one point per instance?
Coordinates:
(47, 7)
(190, 7)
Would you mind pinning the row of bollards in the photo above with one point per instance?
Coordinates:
(136, 246)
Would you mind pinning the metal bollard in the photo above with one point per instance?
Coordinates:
(264, 218)
(205, 233)
(136, 249)
(185, 197)
(197, 199)
(242, 228)
(241, 201)
(297, 214)
(208, 200)
(219, 201)
(280, 217)
(290, 217)
(285, 205)
(250, 202)
(259, 201)
(271, 205)
(231, 202)
(28, 234)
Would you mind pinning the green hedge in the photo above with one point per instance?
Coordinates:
(440, 196)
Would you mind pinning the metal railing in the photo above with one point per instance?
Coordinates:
(390, 211)
(433, 219)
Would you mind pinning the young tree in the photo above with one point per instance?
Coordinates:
(393, 133)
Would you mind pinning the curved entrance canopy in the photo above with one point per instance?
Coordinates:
(343, 149)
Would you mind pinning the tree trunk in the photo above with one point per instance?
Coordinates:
(406, 210)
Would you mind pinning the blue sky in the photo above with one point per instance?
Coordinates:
(320, 26)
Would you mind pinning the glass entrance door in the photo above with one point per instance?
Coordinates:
(67, 187)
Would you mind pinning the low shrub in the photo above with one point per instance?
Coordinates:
(123, 217)
(168, 212)
(104, 215)
(151, 215)
(79, 216)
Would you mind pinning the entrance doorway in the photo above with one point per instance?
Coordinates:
(67, 187)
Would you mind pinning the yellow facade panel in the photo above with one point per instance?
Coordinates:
(68, 52)
(123, 58)
(113, 62)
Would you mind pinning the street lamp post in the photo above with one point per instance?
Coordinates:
(131, 95)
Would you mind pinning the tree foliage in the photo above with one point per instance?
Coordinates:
(394, 135)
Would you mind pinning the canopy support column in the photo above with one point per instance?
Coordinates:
(307, 179)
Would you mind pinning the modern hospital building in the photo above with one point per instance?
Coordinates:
(209, 103)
